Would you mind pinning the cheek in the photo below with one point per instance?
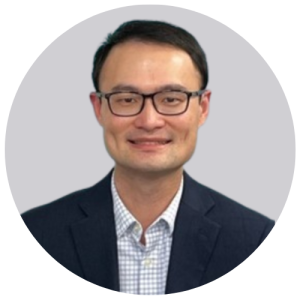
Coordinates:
(188, 127)
(190, 138)
(114, 132)
(111, 136)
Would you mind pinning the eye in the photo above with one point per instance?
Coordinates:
(170, 100)
(127, 100)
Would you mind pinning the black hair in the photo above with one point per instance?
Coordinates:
(154, 32)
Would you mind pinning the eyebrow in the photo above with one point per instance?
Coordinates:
(132, 88)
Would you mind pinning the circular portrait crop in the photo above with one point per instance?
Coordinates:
(150, 150)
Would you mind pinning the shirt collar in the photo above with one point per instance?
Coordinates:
(124, 220)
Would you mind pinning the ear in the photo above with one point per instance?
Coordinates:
(204, 106)
(97, 105)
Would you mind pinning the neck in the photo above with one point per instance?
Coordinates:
(147, 195)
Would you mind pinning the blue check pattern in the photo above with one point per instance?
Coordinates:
(143, 268)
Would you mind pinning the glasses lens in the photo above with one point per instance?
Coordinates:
(171, 102)
(168, 103)
(126, 104)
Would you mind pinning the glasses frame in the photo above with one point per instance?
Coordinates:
(151, 96)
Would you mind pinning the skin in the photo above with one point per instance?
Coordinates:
(145, 168)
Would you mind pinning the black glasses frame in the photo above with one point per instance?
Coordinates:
(151, 96)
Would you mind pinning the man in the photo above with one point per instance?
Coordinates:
(148, 228)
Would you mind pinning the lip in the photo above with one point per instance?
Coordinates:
(149, 144)
(149, 141)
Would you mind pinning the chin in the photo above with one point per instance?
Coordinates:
(150, 167)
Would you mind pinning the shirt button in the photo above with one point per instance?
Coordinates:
(148, 262)
(136, 228)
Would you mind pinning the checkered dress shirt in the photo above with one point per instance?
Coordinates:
(143, 268)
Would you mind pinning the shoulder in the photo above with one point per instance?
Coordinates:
(228, 208)
(67, 207)
(57, 213)
(232, 207)
(61, 205)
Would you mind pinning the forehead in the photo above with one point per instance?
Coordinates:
(147, 65)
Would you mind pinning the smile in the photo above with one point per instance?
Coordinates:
(149, 142)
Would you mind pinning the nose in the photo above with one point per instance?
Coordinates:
(149, 119)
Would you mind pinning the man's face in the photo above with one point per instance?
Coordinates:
(150, 142)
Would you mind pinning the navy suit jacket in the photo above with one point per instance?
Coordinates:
(212, 235)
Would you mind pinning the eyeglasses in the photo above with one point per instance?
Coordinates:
(169, 103)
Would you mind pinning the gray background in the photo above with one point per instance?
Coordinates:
(246, 150)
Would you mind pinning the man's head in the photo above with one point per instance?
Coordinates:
(147, 57)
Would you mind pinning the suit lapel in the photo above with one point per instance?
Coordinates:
(194, 238)
(95, 237)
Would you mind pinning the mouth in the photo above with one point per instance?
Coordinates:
(149, 142)
(157, 141)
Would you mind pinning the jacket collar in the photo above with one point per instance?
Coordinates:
(194, 237)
